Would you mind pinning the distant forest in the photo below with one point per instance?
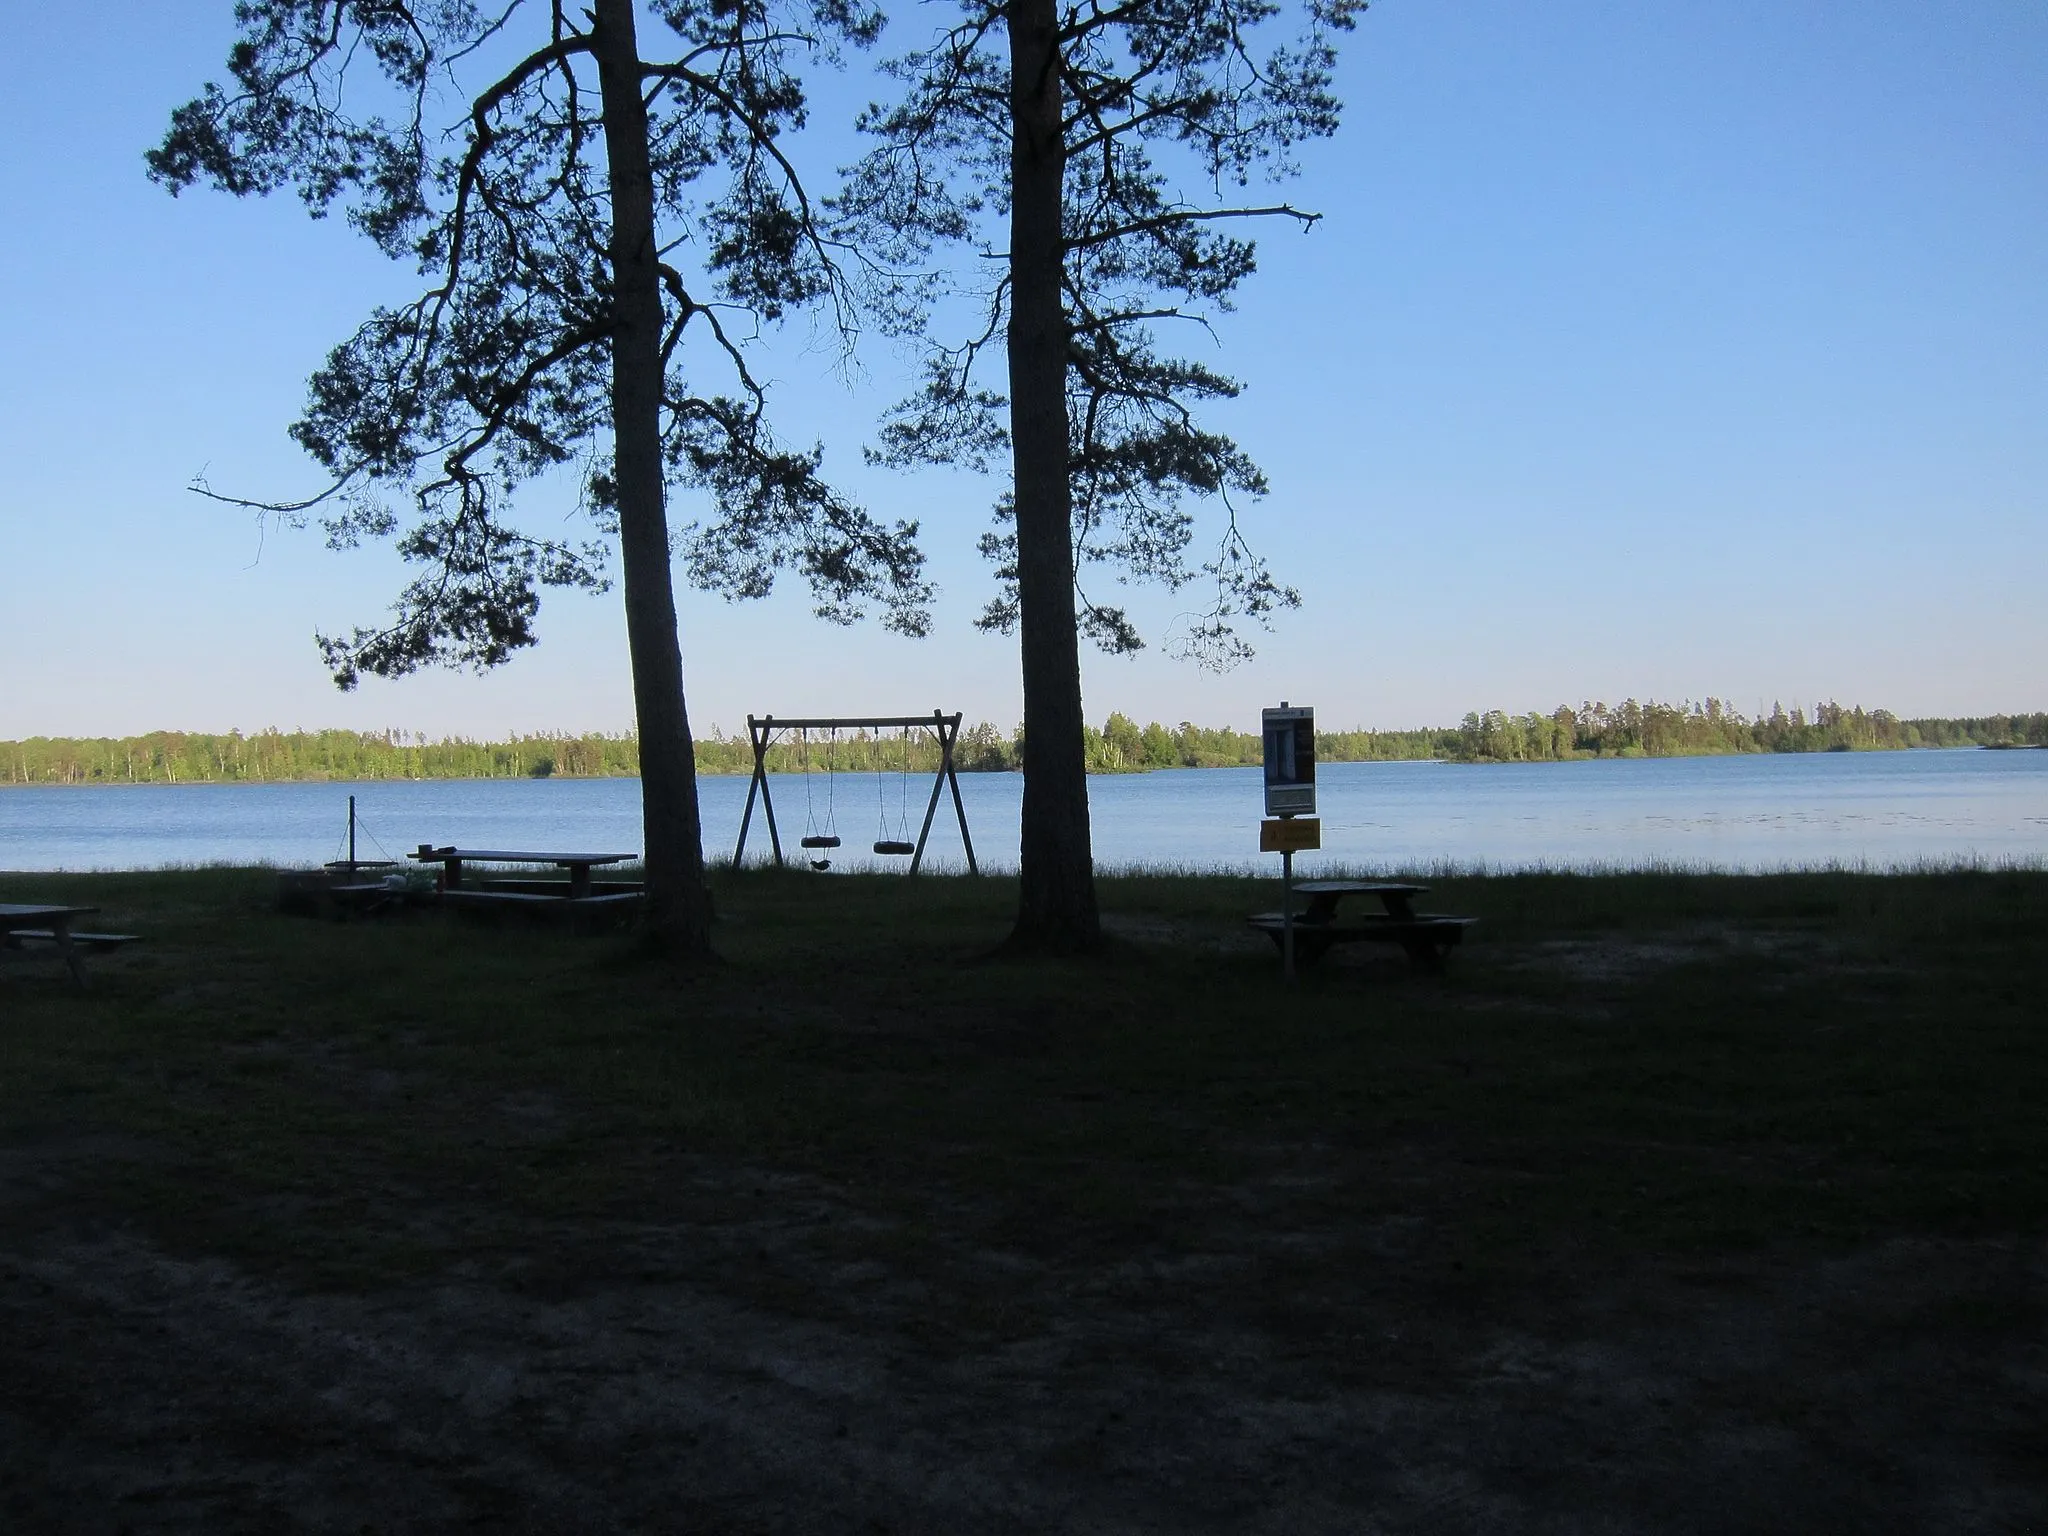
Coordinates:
(1628, 729)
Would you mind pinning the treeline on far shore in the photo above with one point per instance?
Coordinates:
(1121, 745)
(1630, 729)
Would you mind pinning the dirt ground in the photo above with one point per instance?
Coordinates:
(766, 1351)
(725, 1374)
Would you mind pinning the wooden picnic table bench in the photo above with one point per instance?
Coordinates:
(1424, 935)
(579, 914)
(54, 925)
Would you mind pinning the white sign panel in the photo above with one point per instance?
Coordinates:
(1290, 734)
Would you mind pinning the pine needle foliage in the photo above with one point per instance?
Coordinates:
(471, 144)
(1169, 108)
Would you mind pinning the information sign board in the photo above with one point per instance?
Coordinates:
(1290, 738)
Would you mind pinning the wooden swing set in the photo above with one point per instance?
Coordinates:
(821, 833)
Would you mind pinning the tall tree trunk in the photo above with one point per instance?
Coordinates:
(1056, 909)
(679, 904)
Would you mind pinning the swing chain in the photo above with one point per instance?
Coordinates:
(831, 782)
(803, 753)
(903, 793)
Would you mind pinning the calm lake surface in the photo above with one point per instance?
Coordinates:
(1880, 809)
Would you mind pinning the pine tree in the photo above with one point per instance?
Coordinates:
(1038, 138)
(549, 208)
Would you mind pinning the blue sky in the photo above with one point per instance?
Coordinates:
(1644, 349)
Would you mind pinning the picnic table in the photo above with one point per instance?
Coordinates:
(577, 901)
(579, 865)
(1424, 935)
(54, 925)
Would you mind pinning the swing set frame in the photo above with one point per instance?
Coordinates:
(762, 731)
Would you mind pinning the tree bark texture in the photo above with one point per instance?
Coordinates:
(678, 902)
(1056, 907)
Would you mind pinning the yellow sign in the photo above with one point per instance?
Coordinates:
(1291, 834)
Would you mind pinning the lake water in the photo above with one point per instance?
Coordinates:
(1879, 809)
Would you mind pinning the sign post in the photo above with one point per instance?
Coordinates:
(1291, 823)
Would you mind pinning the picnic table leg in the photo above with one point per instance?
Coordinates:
(61, 929)
(579, 881)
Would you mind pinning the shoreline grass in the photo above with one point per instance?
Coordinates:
(1762, 969)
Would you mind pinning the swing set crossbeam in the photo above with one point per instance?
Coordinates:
(763, 729)
(930, 722)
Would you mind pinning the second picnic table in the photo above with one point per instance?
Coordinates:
(579, 865)
(54, 924)
(1424, 935)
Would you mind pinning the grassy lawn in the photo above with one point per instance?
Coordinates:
(1695, 1202)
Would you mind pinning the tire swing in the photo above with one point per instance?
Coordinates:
(900, 843)
(814, 837)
